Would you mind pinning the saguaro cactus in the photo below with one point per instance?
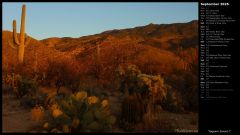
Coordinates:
(24, 40)
(98, 52)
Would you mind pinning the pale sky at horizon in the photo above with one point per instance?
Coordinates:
(44, 20)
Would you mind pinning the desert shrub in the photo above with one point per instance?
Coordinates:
(148, 86)
(33, 99)
(128, 77)
(23, 70)
(80, 113)
(39, 77)
(186, 84)
(155, 85)
(21, 85)
(26, 86)
(28, 94)
(11, 79)
(172, 102)
(63, 73)
(190, 93)
(8, 83)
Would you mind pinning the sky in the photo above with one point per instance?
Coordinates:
(44, 20)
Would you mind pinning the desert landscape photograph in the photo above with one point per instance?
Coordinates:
(100, 67)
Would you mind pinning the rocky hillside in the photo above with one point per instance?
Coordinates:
(155, 48)
(164, 36)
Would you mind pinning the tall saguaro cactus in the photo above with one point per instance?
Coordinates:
(24, 40)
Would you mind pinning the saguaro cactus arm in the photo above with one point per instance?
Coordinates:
(12, 45)
(15, 37)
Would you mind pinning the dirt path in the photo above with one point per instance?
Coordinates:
(16, 118)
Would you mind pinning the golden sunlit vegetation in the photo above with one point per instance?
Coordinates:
(143, 79)
(80, 113)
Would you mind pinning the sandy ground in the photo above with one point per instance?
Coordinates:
(16, 118)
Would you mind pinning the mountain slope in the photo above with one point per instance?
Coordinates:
(156, 49)
(164, 36)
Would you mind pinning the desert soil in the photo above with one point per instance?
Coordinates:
(17, 118)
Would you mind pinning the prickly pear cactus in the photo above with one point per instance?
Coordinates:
(81, 113)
